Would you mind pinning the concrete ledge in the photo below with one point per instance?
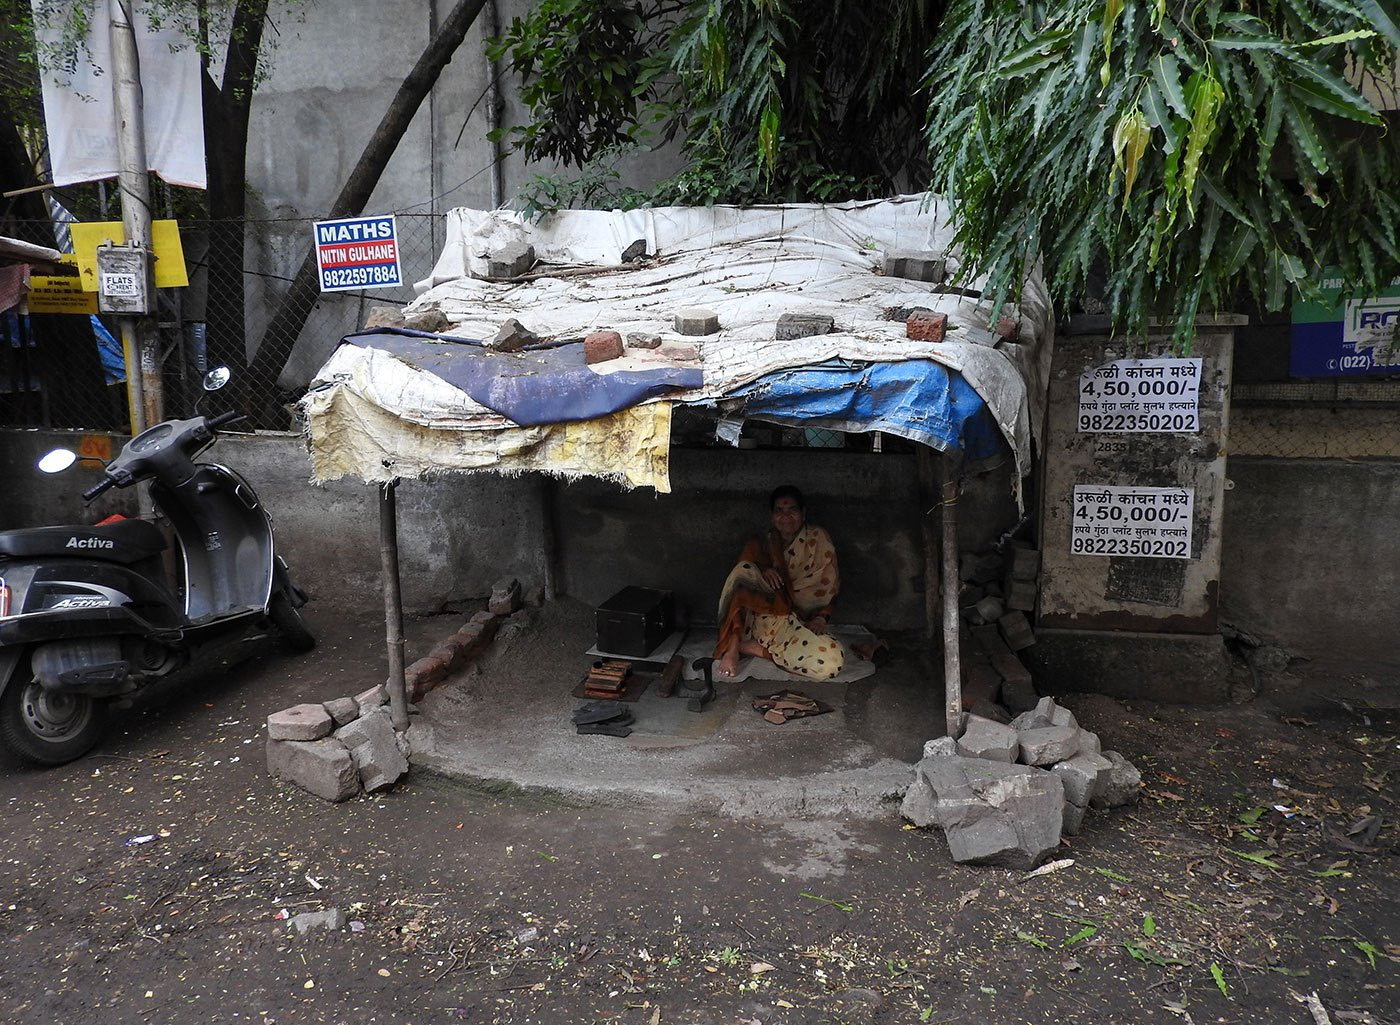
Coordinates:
(1189, 669)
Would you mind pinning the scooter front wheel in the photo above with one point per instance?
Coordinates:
(47, 728)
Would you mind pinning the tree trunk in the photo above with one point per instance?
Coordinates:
(281, 334)
(226, 112)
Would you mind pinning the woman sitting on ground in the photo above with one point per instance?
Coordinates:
(777, 601)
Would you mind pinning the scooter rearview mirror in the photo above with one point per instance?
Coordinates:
(58, 460)
(216, 378)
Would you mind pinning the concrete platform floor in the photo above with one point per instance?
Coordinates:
(504, 724)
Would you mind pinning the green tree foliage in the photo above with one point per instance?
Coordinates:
(1189, 150)
(771, 99)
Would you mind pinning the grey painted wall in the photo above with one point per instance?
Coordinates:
(1310, 557)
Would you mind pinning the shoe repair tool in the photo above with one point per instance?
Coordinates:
(697, 697)
(606, 679)
(666, 683)
(606, 729)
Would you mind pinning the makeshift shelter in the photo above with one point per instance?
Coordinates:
(393, 404)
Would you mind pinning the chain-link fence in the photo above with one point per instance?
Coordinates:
(253, 304)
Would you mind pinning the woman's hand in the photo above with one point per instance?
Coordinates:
(773, 579)
(817, 624)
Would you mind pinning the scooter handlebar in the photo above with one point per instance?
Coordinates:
(98, 488)
(224, 419)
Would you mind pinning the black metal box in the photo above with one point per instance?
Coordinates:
(635, 621)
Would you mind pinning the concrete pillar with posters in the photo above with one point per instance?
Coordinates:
(1132, 514)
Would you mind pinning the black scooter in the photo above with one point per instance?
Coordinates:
(89, 615)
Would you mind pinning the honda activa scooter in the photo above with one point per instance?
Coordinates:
(89, 615)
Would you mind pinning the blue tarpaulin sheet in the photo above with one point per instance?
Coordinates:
(548, 384)
(916, 399)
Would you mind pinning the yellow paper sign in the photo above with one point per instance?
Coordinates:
(165, 240)
(49, 294)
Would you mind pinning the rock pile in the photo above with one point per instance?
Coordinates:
(1004, 794)
(336, 749)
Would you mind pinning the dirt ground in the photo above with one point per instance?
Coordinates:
(1260, 864)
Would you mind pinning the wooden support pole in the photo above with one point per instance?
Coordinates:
(393, 603)
(950, 464)
(549, 540)
(928, 501)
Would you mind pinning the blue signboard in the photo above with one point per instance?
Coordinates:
(358, 252)
(1345, 337)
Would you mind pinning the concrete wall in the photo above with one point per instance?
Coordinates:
(458, 534)
(1309, 559)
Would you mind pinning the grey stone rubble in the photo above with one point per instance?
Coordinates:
(374, 749)
(300, 722)
(1005, 794)
(643, 340)
(332, 920)
(325, 767)
(321, 767)
(983, 738)
(505, 597)
(342, 710)
(636, 251)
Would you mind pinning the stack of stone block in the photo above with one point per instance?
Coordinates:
(1004, 794)
(336, 749)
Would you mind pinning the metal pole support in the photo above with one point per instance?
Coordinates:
(950, 464)
(393, 603)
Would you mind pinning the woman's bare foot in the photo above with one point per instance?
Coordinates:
(728, 665)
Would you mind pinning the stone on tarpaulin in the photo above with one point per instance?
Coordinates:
(342, 710)
(926, 327)
(636, 251)
(300, 722)
(511, 336)
(371, 743)
(1047, 745)
(803, 325)
(643, 340)
(321, 767)
(916, 266)
(983, 738)
(429, 318)
(994, 813)
(696, 321)
(510, 260)
(602, 346)
(384, 316)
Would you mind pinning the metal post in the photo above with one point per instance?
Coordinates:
(393, 603)
(139, 341)
(950, 464)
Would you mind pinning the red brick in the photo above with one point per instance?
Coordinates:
(926, 327)
(601, 346)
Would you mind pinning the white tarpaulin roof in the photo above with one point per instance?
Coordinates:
(750, 265)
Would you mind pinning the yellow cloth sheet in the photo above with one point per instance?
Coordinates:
(350, 435)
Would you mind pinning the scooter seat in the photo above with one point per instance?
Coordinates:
(124, 541)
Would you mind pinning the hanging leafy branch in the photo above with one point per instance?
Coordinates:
(771, 99)
(1188, 151)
